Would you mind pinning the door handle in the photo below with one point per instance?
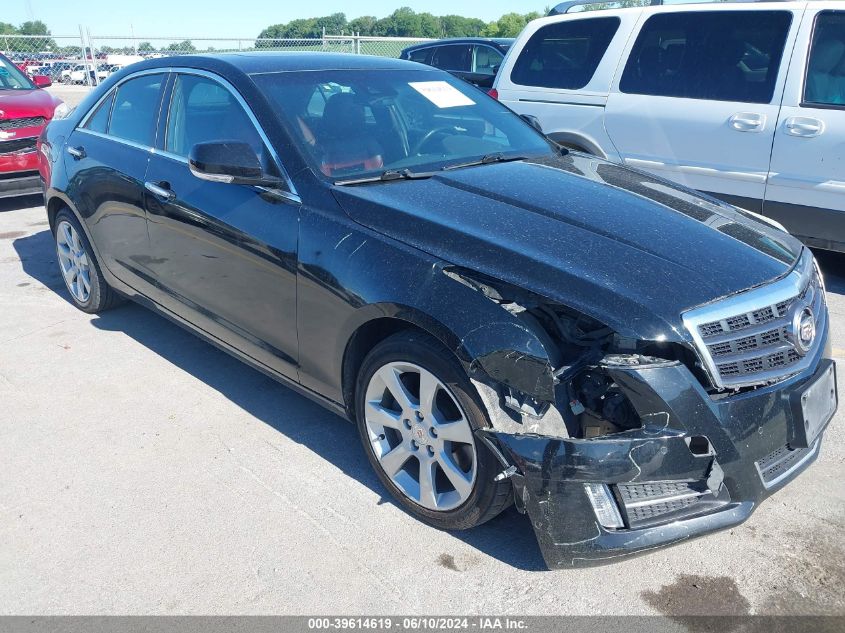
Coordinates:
(162, 190)
(804, 127)
(748, 122)
(77, 152)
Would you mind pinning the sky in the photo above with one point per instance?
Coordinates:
(182, 19)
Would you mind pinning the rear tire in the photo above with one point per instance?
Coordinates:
(79, 266)
(416, 412)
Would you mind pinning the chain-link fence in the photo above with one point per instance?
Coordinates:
(51, 55)
(87, 59)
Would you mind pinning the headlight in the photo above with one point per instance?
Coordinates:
(61, 111)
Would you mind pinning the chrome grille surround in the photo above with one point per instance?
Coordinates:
(746, 339)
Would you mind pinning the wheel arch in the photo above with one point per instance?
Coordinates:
(577, 142)
(375, 328)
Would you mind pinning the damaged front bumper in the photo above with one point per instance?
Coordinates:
(697, 465)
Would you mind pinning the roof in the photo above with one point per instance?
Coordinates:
(267, 62)
(504, 42)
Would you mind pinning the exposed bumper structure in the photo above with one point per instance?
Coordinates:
(20, 184)
(19, 168)
(698, 464)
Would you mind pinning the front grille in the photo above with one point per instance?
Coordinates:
(747, 339)
(18, 146)
(16, 124)
(781, 462)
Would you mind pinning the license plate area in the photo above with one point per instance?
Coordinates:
(814, 407)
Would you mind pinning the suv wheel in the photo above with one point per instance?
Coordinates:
(80, 270)
(416, 413)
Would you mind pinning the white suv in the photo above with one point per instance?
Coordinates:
(743, 101)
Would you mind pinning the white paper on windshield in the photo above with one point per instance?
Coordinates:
(441, 94)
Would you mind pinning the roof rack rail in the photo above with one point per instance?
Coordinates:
(565, 7)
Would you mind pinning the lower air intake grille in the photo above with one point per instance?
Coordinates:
(646, 502)
(781, 462)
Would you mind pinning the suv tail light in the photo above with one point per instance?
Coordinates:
(493, 93)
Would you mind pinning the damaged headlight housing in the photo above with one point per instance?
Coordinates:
(582, 353)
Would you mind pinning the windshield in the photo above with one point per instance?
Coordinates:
(11, 78)
(359, 123)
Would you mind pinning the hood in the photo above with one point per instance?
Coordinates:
(629, 249)
(27, 103)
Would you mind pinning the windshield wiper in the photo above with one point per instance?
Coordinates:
(386, 176)
(497, 157)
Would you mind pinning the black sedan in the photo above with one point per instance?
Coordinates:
(473, 59)
(629, 362)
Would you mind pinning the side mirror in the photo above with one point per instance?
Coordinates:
(42, 81)
(230, 162)
(533, 121)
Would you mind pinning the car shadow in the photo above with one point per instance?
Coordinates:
(16, 203)
(508, 538)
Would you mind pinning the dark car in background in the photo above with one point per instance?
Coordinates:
(25, 109)
(631, 363)
(473, 59)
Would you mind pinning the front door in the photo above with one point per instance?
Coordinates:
(699, 96)
(223, 255)
(806, 189)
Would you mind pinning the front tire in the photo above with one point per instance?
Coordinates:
(79, 267)
(416, 412)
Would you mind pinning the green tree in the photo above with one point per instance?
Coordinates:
(185, 46)
(363, 25)
(429, 26)
(333, 24)
(37, 27)
(146, 47)
(459, 26)
(403, 22)
(8, 29)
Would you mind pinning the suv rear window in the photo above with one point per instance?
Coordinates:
(565, 54)
(714, 55)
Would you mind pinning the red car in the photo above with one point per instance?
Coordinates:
(24, 111)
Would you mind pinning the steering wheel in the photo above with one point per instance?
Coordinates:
(430, 135)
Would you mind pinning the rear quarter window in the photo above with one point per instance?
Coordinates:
(825, 82)
(712, 55)
(564, 55)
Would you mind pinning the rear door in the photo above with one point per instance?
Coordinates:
(806, 188)
(486, 60)
(109, 152)
(699, 96)
(454, 58)
(224, 255)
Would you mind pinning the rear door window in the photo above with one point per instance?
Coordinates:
(135, 110)
(486, 60)
(421, 55)
(713, 55)
(564, 55)
(452, 57)
(825, 84)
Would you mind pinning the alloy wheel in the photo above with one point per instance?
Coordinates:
(420, 436)
(74, 262)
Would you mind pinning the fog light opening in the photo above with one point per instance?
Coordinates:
(607, 512)
(699, 445)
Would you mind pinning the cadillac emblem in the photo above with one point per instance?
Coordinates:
(803, 330)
